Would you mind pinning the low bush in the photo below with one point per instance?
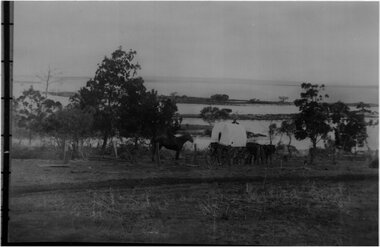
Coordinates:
(42, 152)
(374, 163)
(207, 132)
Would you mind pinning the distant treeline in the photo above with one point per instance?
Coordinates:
(199, 100)
(208, 101)
(62, 94)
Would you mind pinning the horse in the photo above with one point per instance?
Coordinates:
(260, 153)
(171, 142)
(269, 150)
(255, 151)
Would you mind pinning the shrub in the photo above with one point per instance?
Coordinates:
(43, 152)
(374, 163)
(207, 132)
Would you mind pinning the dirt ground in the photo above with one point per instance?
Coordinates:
(186, 203)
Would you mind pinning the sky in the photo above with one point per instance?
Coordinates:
(322, 42)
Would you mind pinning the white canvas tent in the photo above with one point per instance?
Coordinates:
(229, 134)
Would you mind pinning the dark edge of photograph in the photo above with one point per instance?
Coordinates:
(6, 98)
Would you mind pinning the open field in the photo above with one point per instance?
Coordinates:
(180, 202)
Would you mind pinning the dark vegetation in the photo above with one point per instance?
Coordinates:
(219, 97)
(113, 104)
(211, 114)
(317, 119)
(62, 94)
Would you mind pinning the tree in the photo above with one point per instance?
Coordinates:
(272, 131)
(349, 126)
(32, 108)
(112, 86)
(130, 112)
(283, 98)
(312, 121)
(211, 114)
(288, 128)
(219, 97)
(363, 110)
(158, 116)
(174, 95)
(70, 124)
(151, 117)
(254, 100)
(48, 79)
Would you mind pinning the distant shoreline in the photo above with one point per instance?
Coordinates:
(208, 101)
(250, 116)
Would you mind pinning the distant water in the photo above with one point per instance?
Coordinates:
(236, 89)
(247, 108)
(241, 109)
(245, 91)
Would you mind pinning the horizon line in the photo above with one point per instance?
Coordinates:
(171, 79)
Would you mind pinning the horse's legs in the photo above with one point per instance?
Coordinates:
(177, 155)
(263, 156)
(248, 159)
(258, 157)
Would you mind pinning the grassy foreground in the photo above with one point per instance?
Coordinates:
(293, 207)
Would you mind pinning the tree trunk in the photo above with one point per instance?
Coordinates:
(280, 141)
(136, 142)
(75, 154)
(312, 151)
(290, 141)
(46, 89)
(80, 149)
(114, 147)
(30, 137)
(47, 83)
(105, 138)
(334, 155)
(65, 152)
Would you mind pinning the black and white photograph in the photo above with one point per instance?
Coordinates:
(192, 123)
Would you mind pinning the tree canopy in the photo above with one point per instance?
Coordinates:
(318, 118)
(349, 126)
(123, 105)
(211, 114)
(114, 87)
(288, 128)
(313, 119)
(219, 97)
(32, 108)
